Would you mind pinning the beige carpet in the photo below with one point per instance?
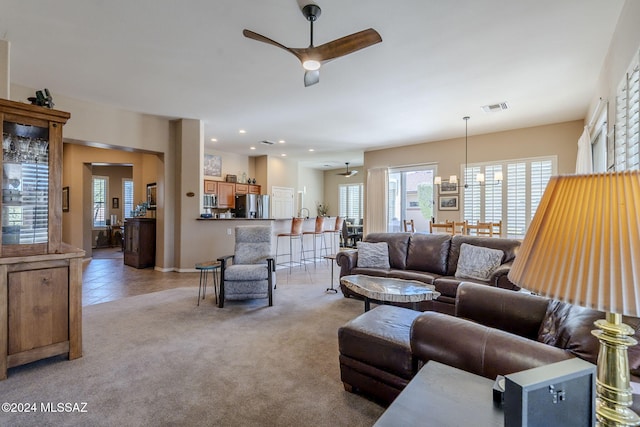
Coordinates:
(159, 360)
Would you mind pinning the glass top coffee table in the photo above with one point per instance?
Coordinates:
(389, 290)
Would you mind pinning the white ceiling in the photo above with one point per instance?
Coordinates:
(439, 61)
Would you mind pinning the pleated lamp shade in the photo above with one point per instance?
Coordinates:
(583, 244)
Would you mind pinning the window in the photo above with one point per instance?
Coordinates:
(513, 201)
(410, 197)
(127, 198)
(100, 197)
(350, 199)
(627, 128)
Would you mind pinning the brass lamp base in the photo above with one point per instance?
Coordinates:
(613, 387)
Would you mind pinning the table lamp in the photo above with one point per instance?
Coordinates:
(583, 247)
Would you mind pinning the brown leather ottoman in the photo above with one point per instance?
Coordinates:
(375, 352)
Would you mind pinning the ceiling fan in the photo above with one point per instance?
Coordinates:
(348, 173)
(313, 57)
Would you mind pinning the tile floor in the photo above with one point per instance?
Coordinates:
(106, 278)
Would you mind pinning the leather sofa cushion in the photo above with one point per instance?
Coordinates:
(569, 327)
(398, 244)
(508, 246)
(429, 252)
(380, 338)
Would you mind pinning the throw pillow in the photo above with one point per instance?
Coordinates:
(373, 254)
(477, 262)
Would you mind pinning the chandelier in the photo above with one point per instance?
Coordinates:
(453, 179)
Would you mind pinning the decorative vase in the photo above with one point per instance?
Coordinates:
(253, 181)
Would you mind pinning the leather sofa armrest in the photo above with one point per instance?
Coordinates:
(347, 260)
(515, 312)
(476, 348)
(499, 277)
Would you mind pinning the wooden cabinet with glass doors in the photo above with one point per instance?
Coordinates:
(40, 276)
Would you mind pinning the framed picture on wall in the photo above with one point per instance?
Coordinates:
(151, 196)
(447, 187)
(448, 203)
(212, 165)
(115, 203)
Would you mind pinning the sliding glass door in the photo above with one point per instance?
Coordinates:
(410, 197)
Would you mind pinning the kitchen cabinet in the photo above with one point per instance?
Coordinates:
(140, 242)
(254, 189)
(210, 187)
(40, 276)
(226, 195)
(242, 188)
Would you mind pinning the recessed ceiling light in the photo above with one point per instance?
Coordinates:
(312, 149)
(242, 131)
(282, 141)
(252, 148)
(214, 140)
(283, 155)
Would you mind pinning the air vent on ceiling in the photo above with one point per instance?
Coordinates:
(494, 108)
(267, 142)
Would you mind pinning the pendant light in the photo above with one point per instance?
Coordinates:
(480, 179)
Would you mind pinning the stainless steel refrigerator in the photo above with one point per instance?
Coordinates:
(252, 206)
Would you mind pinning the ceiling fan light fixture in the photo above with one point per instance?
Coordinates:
(348, 173)
(311, 65)
(312, 57)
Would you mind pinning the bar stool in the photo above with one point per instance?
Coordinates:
(205, 268)
(294, 234)
(317, 232)
(335, 233)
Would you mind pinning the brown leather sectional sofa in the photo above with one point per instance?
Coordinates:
(494, 332)
(432, 259)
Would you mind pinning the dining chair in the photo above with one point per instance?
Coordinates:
(460, 227)
(444, 227)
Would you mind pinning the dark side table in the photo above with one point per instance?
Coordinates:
(440, 395)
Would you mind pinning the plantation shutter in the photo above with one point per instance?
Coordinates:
(516, 198)
(472, 198)
(99, 201)
(127, 206)
(540, 174)
(627, 128)
(493, 195)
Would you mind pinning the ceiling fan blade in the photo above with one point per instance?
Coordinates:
(259, 37)
(311, 77)
(346, 45)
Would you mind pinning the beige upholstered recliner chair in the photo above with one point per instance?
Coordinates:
(250, 272)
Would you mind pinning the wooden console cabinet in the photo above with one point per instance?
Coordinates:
(140, 242)
(40, 276)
